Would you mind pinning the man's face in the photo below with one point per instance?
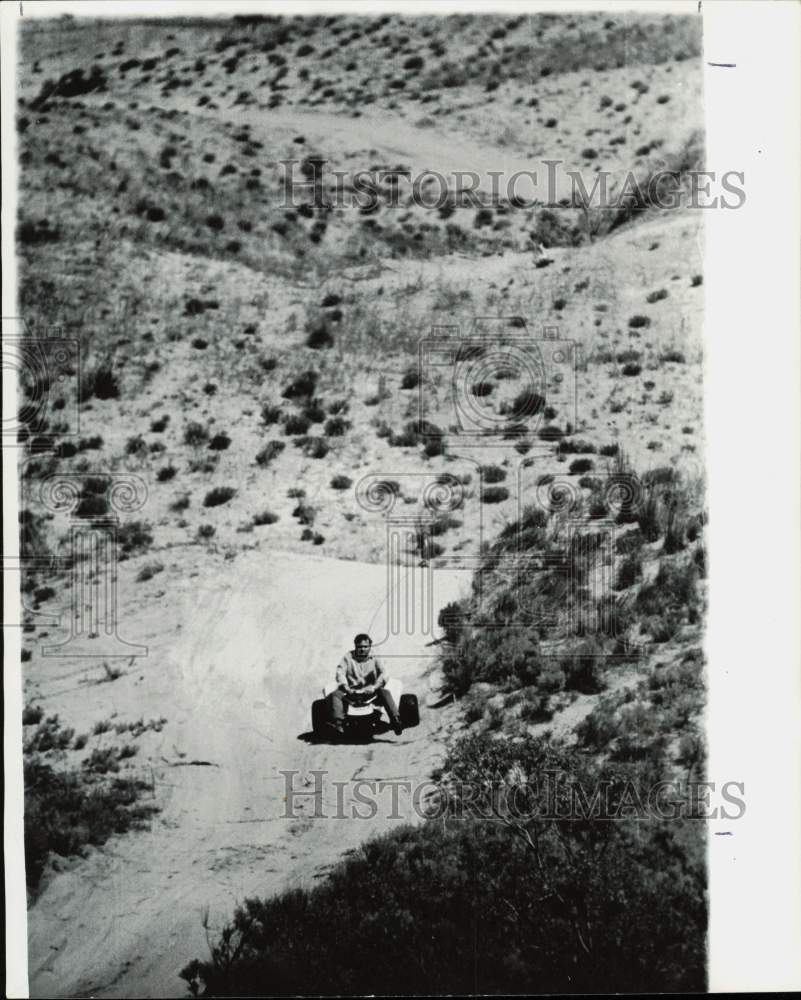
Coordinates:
(362, 649)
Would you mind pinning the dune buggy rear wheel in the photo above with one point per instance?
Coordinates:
(319, 713)
(409, 710)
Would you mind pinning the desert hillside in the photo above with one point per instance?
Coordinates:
(294, 359)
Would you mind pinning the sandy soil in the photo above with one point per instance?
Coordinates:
(233, 664)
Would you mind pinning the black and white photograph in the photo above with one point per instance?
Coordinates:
(365, 500)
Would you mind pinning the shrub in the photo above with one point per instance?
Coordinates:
(296, 424)
(313, 447)
(527, 403)
(582, 668)
(264, 517)
(305, 513)
(493, 474)
(219, 495)
(32, 714)
(629, 572)
(656, 296)
(206, 531)
(673, 357)
(550, 433)
(640, 896)
(580, 465)
(639, 322)
(135, 445)
(100, 381)
(340, 482)
(180, 503)
(576, 447)
(632, 369)
(482, 388)
(314, 411)
(148, 571)
(65, 810)
(270, 414)
(91, 443)
(303, 385)
(195, 434)
(319, 336)
(494, 494)
(411, 378)
(336, 426)
(134, 536)
(220, 441)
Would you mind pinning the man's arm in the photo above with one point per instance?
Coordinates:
(380, 675)
(342, 676)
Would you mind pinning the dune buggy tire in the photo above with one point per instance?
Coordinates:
(409, 710)
(319, 714)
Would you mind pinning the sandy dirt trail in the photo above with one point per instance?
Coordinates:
(234, 663)
(420, 148)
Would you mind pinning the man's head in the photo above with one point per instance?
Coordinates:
(361, 645)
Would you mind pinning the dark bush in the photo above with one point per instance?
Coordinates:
(296, 424)
(527, 403)
(340, 482)
(134, 537)
(270, 414)
(303, 385)
(66, 810)
(269, 452)
(494, 494)
(220, 441)
(319, 335)
(195, 434)
(314, 411)
(492, 474)
(219, 495)
(336, 426)
(546, 902)
(100, 381)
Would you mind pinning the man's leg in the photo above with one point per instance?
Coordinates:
(336, 709)
(385, 698)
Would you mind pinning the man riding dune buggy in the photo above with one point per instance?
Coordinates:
(361, 691)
